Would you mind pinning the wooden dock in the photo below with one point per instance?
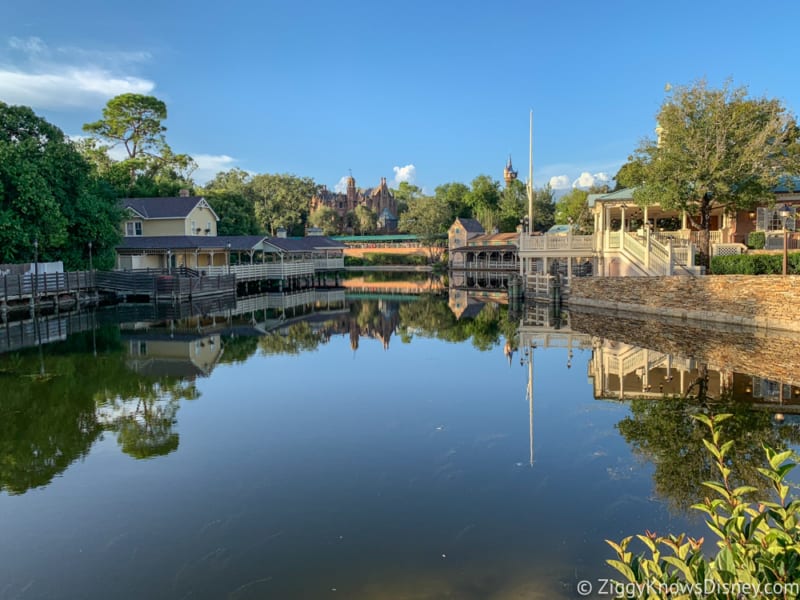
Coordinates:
(16, 288)
(164, 287)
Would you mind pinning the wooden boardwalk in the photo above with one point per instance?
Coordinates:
(16, 288)
(164, 287)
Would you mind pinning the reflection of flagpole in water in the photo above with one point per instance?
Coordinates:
(529, 392)
(530, 401)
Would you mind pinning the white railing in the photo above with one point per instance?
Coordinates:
(614, 239)
(555, 241)
(635, 247)
(489, 265)
(633, 361)
(263, 271)
(329, 263)
(684, 256)
(330, 296)
(714, 237)
(678, 238)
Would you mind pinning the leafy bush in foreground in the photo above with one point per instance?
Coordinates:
(758, 545)
(754, 264)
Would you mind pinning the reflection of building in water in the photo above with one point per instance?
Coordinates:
(376, 320)
(470, 291)
(620, 371)
(181, 355)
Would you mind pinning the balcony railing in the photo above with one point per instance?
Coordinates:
(557, 241)
(263, 271)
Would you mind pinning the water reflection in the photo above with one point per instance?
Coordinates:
(89, 377)
(674, 373)
(427, 467)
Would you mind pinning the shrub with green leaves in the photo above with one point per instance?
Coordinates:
(754, 264)
(757, 543)
(756, 240)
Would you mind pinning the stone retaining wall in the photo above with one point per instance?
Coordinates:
(762, 301)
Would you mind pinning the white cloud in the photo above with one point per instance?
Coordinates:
(560, 182)
(40, 81)
(208, 165)
(407, 173)
(31, 45)
(587, 180)
(341, 187)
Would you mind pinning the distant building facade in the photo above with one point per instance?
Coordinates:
(379, 199)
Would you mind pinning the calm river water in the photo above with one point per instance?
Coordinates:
(377, 447)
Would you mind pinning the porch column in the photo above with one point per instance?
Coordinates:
(683, 220)
(622, 229)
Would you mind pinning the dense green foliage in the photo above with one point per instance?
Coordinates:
(718, 149)
(228, 195)
(755, 264)
(281, 201)
(758, 541)
(326, 219)
(54, 407)
(428, 219)
(756, 240)
(48, 194)
(667, 434)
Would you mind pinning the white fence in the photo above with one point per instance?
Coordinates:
(264, 271)
(555, 241)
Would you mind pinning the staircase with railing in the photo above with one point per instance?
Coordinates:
(650, 255)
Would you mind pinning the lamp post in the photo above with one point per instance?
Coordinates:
(228, 245)
(90, 257)
(169, 262)
(35, 268)
(785, 213)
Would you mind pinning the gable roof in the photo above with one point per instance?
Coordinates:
(470, 225)
(304, 244)
(191, 242)
(165, 208)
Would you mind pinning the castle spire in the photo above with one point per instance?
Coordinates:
(509, 174)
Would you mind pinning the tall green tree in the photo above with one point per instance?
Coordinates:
(282, 201)
(454, 194)
(405, 194)
(513, 206)
(365, 220)
(228, 195)
(48, 194)
(718, 148)
(135, 122)
(428, 219)
(483, 200)
(326, 219)
(543, 208)
(573, 208)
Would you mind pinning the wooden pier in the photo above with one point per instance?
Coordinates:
(164, 287)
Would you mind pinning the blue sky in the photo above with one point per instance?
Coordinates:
(427, 91)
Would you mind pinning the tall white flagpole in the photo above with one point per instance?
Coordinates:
(530, 178)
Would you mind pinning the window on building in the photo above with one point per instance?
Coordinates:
(769, 219)
(133, 228)
(194, 227)
(208, 227)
